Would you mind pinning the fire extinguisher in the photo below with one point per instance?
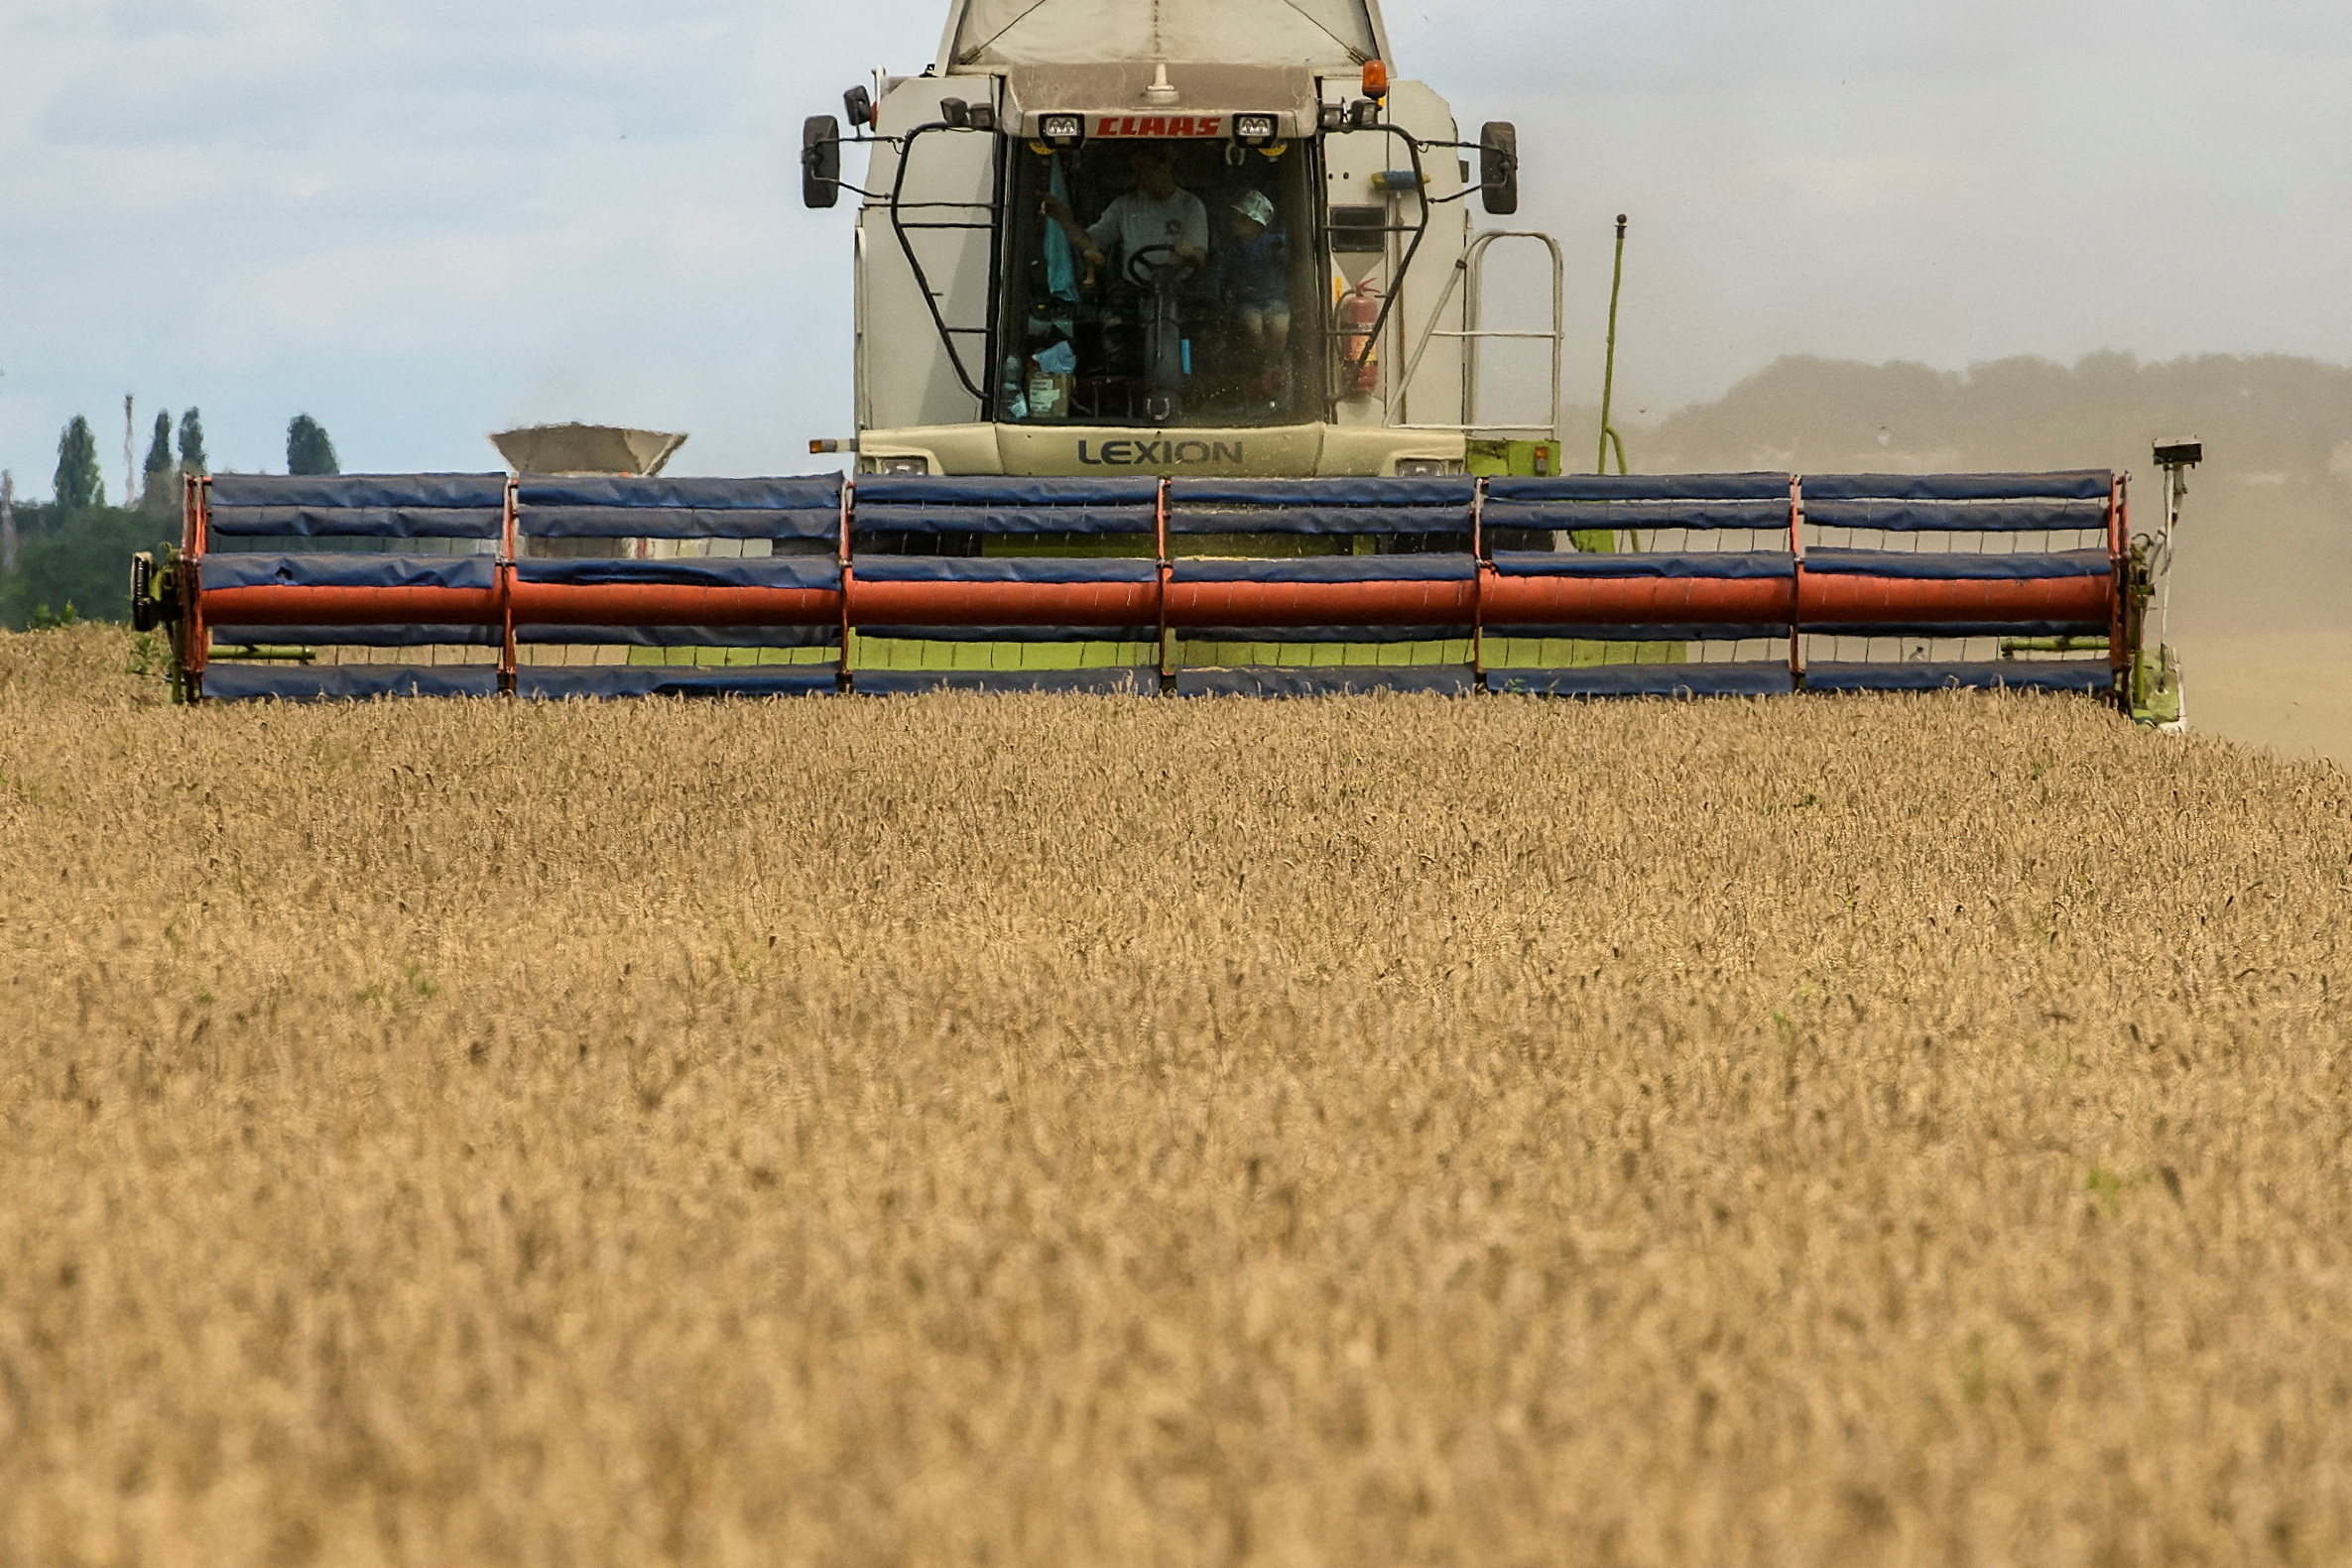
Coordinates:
(1359, 357)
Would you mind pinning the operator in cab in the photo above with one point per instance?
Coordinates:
(1156, 213)
(1252, 278)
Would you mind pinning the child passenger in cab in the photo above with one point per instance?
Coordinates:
(1252, 277)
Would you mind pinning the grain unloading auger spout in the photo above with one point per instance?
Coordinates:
(1755, 579)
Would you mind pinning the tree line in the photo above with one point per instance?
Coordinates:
(68, 558)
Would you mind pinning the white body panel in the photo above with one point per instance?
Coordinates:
(1331, 32)
(905, 375)
(1350, 159)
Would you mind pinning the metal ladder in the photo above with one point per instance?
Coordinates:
(1470, 278)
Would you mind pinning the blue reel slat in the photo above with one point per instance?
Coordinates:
(360, 492)
(1434, 490)
(1005, 569)
(1328, 568)
(1123, 680)
(1575, 515)
(1642, 486)
(336, 570)
(1643, 633)
(1751, 679)
(1325, 634)
(1933, 629)
(990, 490)
(1318, 519)
(387, 635)
(2080, 484)
(698, 571)
(1992, 566)
(1438, 504)
(819, 523)
(367, 506)
(681, 636)
(1722, 563)
(357, 522)
(922, 504)
(1959, 516)
(794, 507)
(2015, 675)
(233, 682)
(1013, 634)
(941, 518)
(1326, 681)
(674, 680)
(629, 492)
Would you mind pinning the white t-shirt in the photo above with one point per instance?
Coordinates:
(1138, 222)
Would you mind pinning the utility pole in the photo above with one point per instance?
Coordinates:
(130, 496)
(7, 521)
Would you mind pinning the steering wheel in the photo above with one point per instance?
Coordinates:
(1140, 266)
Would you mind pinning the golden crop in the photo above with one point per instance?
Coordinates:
(1102, 1132)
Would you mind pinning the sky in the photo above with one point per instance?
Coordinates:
(421, 220)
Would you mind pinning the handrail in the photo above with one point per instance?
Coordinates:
(1468, 276)
(930, 301)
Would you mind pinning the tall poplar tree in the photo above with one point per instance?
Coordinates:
(78, 484)
(161, 489)
(307, 448)
(191, 444)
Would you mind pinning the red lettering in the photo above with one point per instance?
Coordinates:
(1160, 125)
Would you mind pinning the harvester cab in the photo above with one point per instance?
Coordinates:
(1097, 238)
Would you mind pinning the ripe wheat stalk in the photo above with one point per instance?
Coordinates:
(1892, 1130)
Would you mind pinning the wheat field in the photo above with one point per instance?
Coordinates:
(1047, 1130)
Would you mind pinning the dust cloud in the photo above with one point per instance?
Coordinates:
(2261, 599)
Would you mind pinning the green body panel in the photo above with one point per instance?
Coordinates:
(2155, 687)
(1533, 460)
(898, 652)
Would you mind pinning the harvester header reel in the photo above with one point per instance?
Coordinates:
(1453, 562)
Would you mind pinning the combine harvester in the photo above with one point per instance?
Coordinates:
(1168, 378)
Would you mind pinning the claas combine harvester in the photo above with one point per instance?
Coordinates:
(1167, 376)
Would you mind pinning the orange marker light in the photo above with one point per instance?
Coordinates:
(1376, 79)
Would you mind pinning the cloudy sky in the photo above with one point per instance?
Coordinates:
(420, 220)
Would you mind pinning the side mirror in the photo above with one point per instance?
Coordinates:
(1498, 167)
(821, 161)
(857, 106)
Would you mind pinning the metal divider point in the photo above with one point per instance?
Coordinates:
(2120, 565)
(1167, 574)
(508, 548)
(843, 679)
(1796, 582)
(1480, 570)
(195, 499)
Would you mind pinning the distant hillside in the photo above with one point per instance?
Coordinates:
(2267, 537)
